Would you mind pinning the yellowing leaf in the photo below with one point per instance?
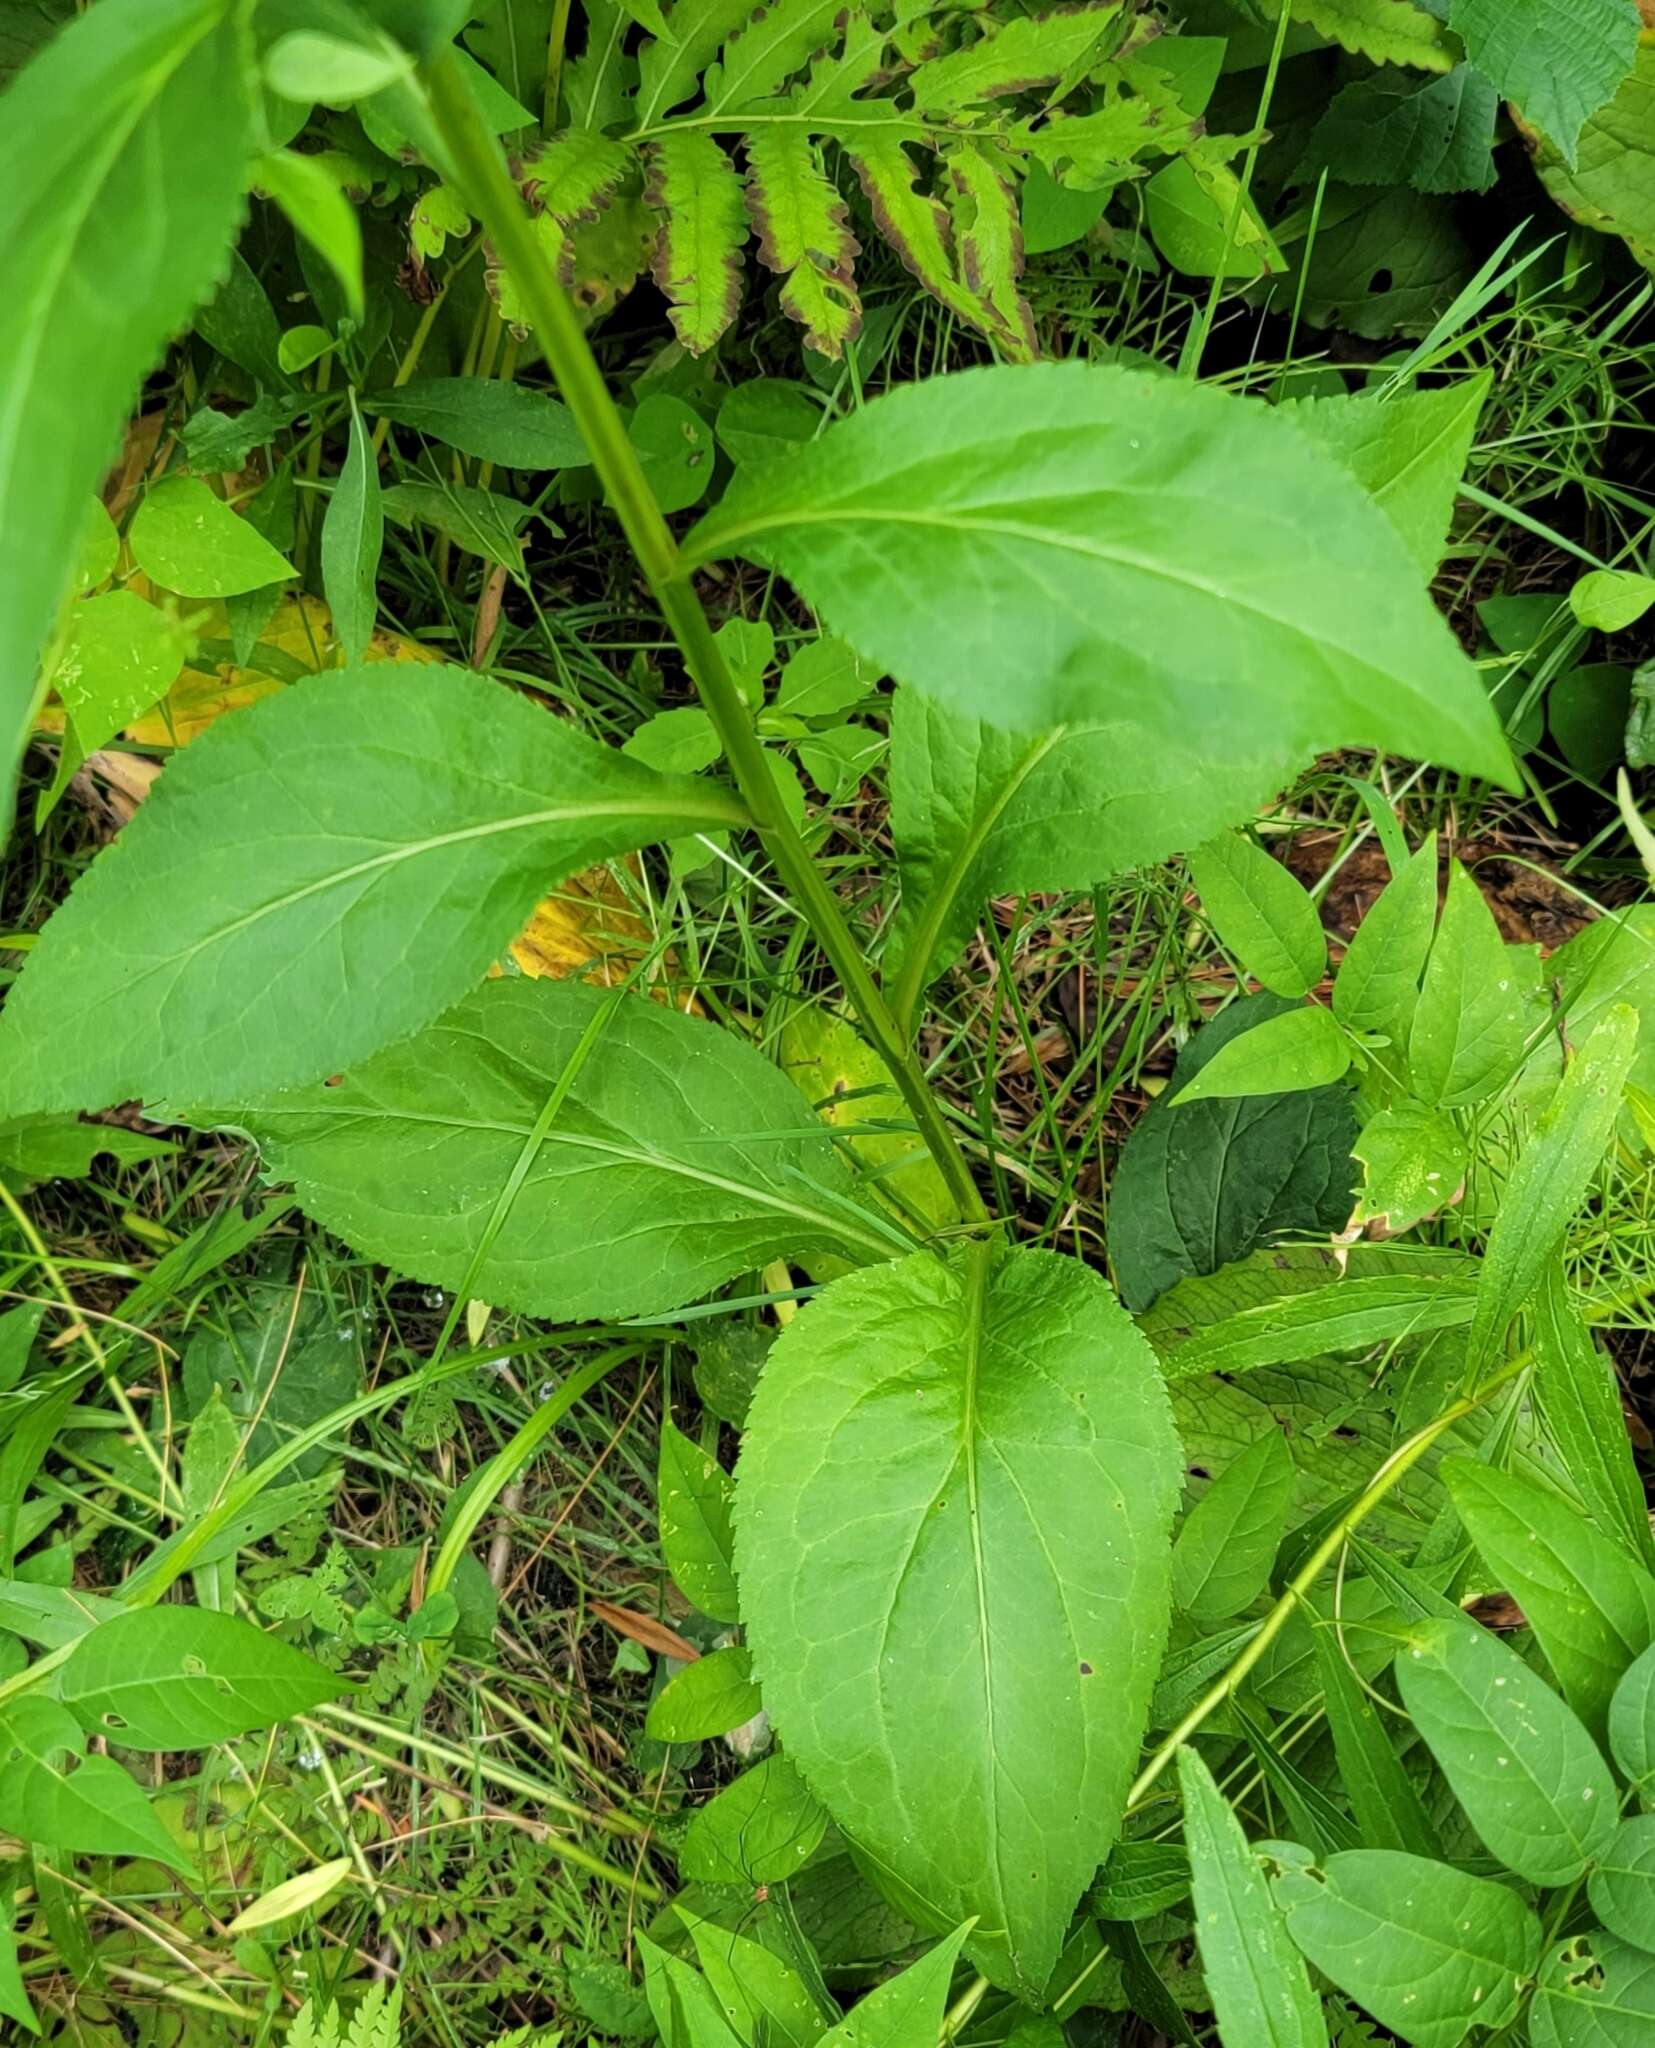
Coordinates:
(297, 1895)
(589, 927)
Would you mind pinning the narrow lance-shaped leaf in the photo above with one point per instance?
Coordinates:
(694, 1507)
(1550, 1180)
(988, 232)
(1527, 1773)
(1259, 1986)
(951, 1540)
(1350, 1315)
(1222, 1558)
(1377, 986)
(353, 533)
(1466, 1037)
(137, 113)
(218, 947)
(1261, 912)
(803, 236)
(1580, 1405)
(566, 1152)
(693, 186)
(1019, 541)
(1376, 1782)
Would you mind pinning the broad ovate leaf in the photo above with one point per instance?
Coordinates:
(123, 150)
(952, 1514)
(1304, 1048)
(1261, 913)
(1558, 61)
(761, 1829)
(171, 1678)
(323, 872)
(1067, 541)
(1594, 1991)
(86, 1805)
(568, 1152)
(186, 539)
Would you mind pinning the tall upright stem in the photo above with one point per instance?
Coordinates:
(498, 205)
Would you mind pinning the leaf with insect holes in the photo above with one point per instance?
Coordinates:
(1558, 61)
(1255, 1977)
(186, 539)
(709, 1697)
(50, 1792)
(933, 1448)
(1261, 913)
(1551, 1178)
(1200, 1184)
(976, 811)
(1018, 543)
(1408, 452)
(1466, 1037)
(218, 947)
(694, 1508)
(181, 1677)
(566, 1151)
(1413, 1164)
(1302, 1048)
(1591, 1607)
(1594, 1991)
(138, 113)
(1430, 1951)
(761, 1829)
(1528, 1775)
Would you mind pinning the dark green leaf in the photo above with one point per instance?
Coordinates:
(481, 522)
(1580, 1404)
(1632, 1722)
(281, 1365)
(1559, 63)
(1621, 1886)
(1396, 128)
(353, 533)
(1199, 1185)
(1380, 1791)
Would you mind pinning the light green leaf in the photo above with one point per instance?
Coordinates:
(1612, 961)
(143, 983)
(756, 1989)
(120, 656)
(1591, 1607)
(1413, 1164)
(301, 346)
(1559, 61)
(186, 539)
(1200, 1184)
(1018, 542)
(675, 447)
(803, 236)
(309, 193)
(503, 423)
(1467, 1031)
(682, 2004)
(976, 810)
(761, 1829)
(1382, 1795)
(694, 1507)
(964, 1699)
(481, 522)
(50, 1792)
(182, 1677)
(1430, 1951)
(582, 1154)
(1610, 186)
(1377, 986)
(709, 1697)
(679, 742)
(1526, 1772)
(1261, 913)
(905, 2009)
(1189, 207)
(1621, 1885)
(14, 1996)
(1554, 1171)
(1305, 1047)
(822, 679)
(694, 189)
(1256, 1979)
(137, 113)
(1580, 1404)
(1632, 1723)
(353, 534)
(1387, 31)
(1611, 599)
(1222, 1558)
(1350, 1315)
(1408, 451)
(1594, 1992)
(309, 64)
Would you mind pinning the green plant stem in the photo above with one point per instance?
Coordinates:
(497, 204)
(1401, 1461)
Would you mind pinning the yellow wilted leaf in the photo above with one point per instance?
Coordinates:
(297, 1895)
(588, 927)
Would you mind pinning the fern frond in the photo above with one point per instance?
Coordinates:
(804, 237)
(829, 94)
(668, 73)
(988, 232)
(1029, 53)
(694, 188)
(767, 50)
(1387, 31)
(598, 84)
(575, 173)
(1093, 151)
(918, 229)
